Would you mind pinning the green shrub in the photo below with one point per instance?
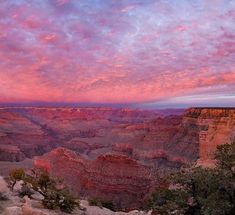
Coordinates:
(16, 175)
(101, 203)
(167, 201)
(67, 203)
(41, 182)
(51, 200)
(200, 191)
(25, 191)
(225, 156)
(95, 202)
(53, 196)
(55, 199)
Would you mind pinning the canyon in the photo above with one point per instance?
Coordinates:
(118, 178)
(115, 154)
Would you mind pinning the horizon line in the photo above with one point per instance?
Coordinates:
(101, 105)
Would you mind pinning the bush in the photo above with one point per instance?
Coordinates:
(60, 199)
(53, 196)
(41, 182)
(25, 191)
(95, 202)
(51, 200)
(166, 201)
(200, 191)
(225, 156)
(101, 203)
(67, 203)
(16, 175)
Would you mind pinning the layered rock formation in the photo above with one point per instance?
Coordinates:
(10, 153)
(38, 130)
(157, 138)
(110, 177)
(216, 126)
(116, 153)
(21, 135)
(183, 139)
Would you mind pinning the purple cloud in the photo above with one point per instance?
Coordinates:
(116, 51)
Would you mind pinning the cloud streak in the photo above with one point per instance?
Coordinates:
(116, 51)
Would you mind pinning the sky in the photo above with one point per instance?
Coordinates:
(147, 52)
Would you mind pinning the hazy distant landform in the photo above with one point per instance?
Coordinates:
(127, 151)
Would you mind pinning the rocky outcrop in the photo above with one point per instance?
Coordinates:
(112, 177)
(14, 205)
(167, 143)
(26, 209)
(123, 148)
(94, 210)
(216, 126)
(11, 153)
(175, 140)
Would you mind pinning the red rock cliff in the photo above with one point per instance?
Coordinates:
(113, 177)
(216, 127)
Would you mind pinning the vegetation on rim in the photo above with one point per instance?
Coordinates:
(55, 194)
(199, 191)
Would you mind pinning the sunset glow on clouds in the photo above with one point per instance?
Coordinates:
(118, 51)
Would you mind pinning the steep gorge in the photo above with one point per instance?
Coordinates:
(148, 136)
(115, 154)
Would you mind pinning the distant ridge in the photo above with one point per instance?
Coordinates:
(227, 108)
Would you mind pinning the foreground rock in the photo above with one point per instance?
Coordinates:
(27, 209)
(110, 177)
(25, 206)
(93, 210)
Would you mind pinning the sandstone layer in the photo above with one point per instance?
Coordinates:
(35, 131)
(216, 126)
(110, 177)
(163, 139)
(118, 154)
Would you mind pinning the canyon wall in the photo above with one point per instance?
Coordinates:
(118, 178)
(193, 136)
(216, 126)
(117, 154)
(34, 131)
(158, 138)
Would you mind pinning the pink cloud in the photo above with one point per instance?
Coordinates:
(115, 51)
